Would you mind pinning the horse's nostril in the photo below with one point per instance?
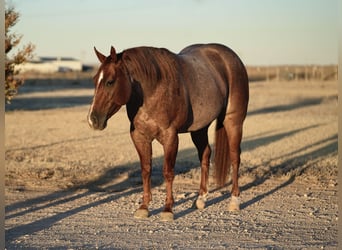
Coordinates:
(93, 121)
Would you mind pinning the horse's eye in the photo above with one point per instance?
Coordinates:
(109, 83)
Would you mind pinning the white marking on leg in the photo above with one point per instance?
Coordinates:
(234, 204)
(201, 200)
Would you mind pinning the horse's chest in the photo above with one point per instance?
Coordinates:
(147, 124)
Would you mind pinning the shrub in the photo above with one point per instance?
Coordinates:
(17, 57)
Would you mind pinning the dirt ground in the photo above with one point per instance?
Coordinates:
(68, 187)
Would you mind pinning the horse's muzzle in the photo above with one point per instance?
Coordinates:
(95, 121)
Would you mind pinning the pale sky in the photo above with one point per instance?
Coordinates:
(262, 32)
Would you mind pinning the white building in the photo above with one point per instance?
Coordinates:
(51, 65)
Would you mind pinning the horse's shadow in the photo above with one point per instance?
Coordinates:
(127, 187)
(292, 167)
(187, 160)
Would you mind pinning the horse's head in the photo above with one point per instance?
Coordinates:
(112, 89)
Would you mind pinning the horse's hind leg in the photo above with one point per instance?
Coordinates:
(200, 139)
(233, 125)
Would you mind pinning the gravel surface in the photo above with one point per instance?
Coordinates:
(68, 187)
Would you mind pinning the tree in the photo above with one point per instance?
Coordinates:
(17, 57)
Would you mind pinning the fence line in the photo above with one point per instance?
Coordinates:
(290, 73)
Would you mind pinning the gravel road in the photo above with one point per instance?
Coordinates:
(68, 187)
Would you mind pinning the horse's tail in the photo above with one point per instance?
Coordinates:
(222, 159)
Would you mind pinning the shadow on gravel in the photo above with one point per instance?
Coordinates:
(186, 161)
(287, 107)
(53, 84)
(259, 141)
(294, 166)
(51, 200)
(51, 102)
(186, 158)
(43, 103)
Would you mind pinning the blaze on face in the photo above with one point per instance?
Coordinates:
(112, 90)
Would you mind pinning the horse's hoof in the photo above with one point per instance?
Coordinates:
(166, 216)
(234, 204)
(141, 214)
(200, 203)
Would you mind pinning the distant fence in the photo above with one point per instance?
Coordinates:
(255, 73)
(290, 73)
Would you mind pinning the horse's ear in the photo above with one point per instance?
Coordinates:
(113, 54)
(100, 56)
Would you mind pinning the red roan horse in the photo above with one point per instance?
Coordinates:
(166, 94)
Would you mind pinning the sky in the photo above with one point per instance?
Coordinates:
(261, 32)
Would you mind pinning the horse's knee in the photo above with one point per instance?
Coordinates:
(168, 175)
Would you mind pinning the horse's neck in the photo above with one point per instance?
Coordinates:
(136, 100)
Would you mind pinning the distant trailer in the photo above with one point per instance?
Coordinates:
(51, 65)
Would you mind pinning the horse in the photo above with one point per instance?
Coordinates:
(166, 94)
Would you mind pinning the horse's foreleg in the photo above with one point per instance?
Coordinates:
(200, 139)
(170, 144)
(144, 149)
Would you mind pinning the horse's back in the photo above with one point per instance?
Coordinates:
(208, 50)
(221, 57)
